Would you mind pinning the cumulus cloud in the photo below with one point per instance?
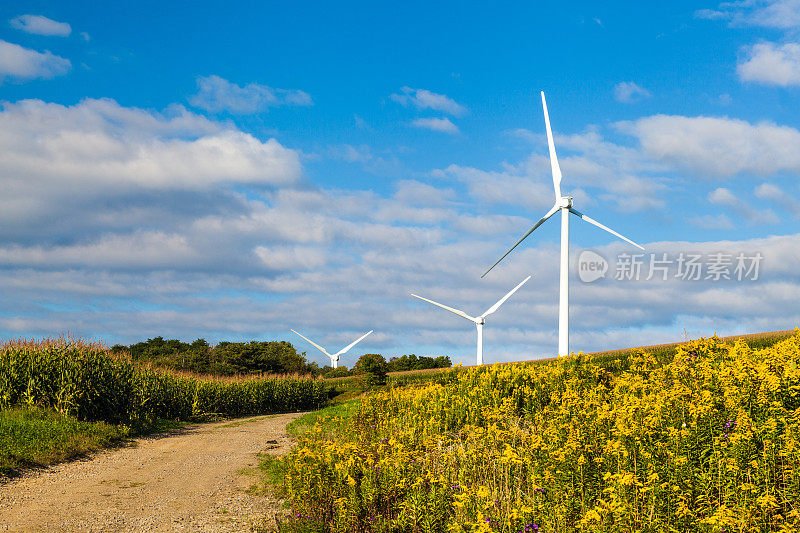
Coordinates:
(39, 25)
(626, 176)
(19, 63)
(779, 197)
(752, 215)
(290, 258)
(157, 253)
(101, 145)
(151, 250)
(771, 64)
(217, 94)
(502, 187)
(443, 125)
(628, 92)
(424, 99)
(717, 147)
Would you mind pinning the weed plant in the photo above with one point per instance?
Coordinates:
(705, 439)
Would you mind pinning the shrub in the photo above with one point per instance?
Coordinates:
(373, 366)
(338, 372)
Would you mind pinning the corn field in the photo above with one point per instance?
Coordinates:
(84, 380)
(706, 441)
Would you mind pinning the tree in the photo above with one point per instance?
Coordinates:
(373, 366)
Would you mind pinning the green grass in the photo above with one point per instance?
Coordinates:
(34, 437)
(334, 417)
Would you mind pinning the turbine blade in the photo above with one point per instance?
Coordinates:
(541, 221)
(590, 220)
(496, 306)
(345, 349)
(553, 159)
(456, 311)
(320, 348)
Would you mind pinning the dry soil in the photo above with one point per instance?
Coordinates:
(191, 479)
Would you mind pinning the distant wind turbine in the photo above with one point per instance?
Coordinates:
(564, 204)
(478, 320)
(335, 357)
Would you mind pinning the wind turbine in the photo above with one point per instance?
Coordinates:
(479, 320)
(335, 357)
(563, 204)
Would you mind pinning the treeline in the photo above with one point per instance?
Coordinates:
(225, 359)
(372, 363)
(272, 357)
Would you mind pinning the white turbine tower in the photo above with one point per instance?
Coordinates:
(335, 357)
(478, 320)
(563, 204)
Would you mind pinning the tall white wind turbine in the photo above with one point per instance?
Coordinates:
(481, 319)
(335, 357)
(563, 204)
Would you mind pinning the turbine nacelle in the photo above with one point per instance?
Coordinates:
(565, 202)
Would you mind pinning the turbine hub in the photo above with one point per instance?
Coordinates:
(565, 202)
(481, 320)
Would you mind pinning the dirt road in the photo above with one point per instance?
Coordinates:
(190, 479)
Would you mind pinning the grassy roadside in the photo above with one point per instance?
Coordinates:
(35, 437)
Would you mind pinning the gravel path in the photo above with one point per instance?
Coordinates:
(190, 479)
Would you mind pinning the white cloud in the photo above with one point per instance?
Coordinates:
(436, 124)
(725, 197)
(771, 64)
(101, 145)
(711, 14)
(217, 94)
(40, 25)
(419, 193)
(151, 250)
(712, 222)
(424, 99)
(291, 258)
(509, 188)
(779, 197)
(191, 258)
(592, 167)
(775, 14)
(21, 63)
(779, 14)
(628, 92)
(717, 147)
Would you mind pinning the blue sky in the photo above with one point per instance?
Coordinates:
(194, 169)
